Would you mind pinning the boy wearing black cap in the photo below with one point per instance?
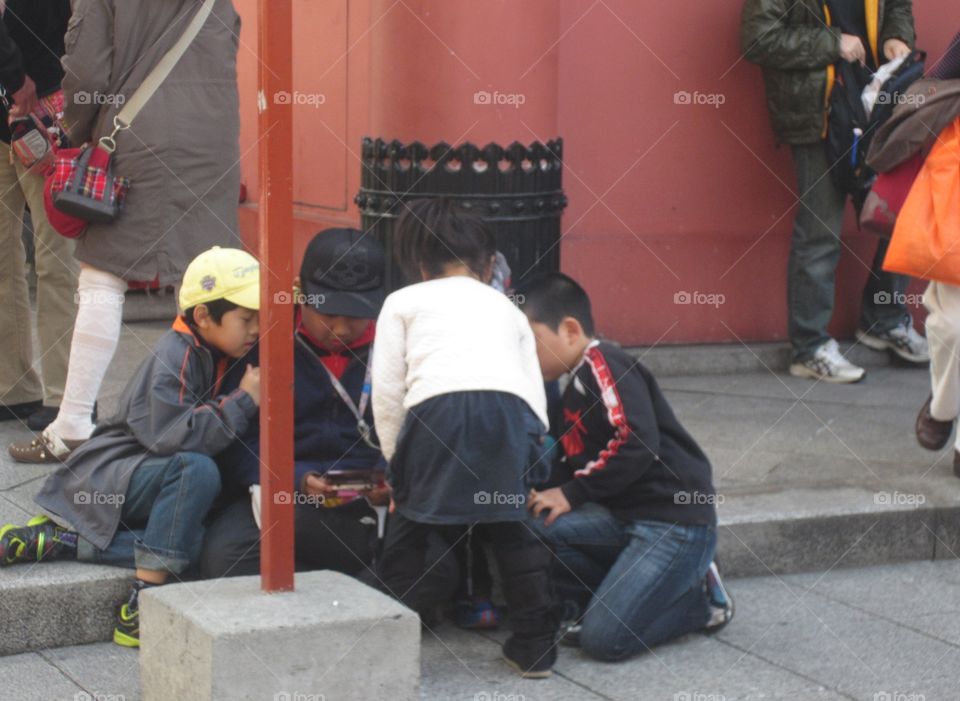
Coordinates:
(337, 297)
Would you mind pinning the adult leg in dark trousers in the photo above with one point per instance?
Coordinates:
(814, 253)
(340, 539)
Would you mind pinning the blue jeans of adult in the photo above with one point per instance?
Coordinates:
(814, 253)
(161, 521)
(636, 583)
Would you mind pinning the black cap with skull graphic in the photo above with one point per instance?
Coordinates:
(343, 273)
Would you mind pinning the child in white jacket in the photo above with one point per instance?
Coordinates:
(460, 410)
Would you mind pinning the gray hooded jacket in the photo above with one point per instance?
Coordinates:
(169, 406)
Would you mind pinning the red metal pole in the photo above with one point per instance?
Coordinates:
(275, 126)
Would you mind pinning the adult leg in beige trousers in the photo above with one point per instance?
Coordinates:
(57, 272)
(943, 335)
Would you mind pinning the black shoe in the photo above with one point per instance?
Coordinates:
(531, 658)
(127, 630)
(43, 417)
(19, 412)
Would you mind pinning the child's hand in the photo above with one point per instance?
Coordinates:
(552, 500)
(317, 485)
(379, 496)
(251, 383)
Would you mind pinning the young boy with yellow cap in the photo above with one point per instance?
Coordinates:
(137, 492)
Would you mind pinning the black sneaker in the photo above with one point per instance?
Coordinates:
(530, 658)
(721, 603)
(45, 415)
(127, 630)
(19, 412)
(40, 539)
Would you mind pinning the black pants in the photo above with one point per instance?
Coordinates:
(333, 539)
(407, 562)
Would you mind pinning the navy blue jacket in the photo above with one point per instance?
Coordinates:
(325, 430)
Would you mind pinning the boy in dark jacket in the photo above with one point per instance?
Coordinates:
(799, 44)
(629, 511)
(339, 293)
(136, 493)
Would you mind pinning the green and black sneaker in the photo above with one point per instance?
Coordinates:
(40, 539)
(127, 632)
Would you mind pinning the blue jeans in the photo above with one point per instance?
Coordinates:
(638, 583)
(814, 253)
(161, 523)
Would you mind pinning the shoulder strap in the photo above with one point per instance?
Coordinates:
(160, 72)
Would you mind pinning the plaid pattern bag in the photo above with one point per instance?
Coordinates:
(81, 188)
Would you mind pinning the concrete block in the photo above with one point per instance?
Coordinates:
(331, 638)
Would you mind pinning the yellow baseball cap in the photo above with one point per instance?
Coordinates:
(221, 273)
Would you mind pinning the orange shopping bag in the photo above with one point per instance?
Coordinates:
(926, 238)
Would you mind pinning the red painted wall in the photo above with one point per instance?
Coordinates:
(665, 198)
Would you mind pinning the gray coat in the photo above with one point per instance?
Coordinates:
(169, 406)
(181, 154)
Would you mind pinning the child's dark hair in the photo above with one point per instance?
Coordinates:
(216, 309)
(552, 297)
(432, 233)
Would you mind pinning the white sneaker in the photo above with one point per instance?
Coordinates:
(902, 340)
(828, 365)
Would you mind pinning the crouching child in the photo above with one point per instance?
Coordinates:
(136, 494)
(629, 512)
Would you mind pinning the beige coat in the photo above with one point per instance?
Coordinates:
(182, 152)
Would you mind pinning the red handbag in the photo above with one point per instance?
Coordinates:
(80, 188)
(887, 195)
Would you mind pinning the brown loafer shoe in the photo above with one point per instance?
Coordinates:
(45, 448)
(931, 433)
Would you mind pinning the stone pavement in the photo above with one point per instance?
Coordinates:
(813, 477)
(885, 633)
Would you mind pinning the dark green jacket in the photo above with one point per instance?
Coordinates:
(796, 48)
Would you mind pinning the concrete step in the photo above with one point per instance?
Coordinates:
(53, 604)
(761, 533)
(735, 358)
